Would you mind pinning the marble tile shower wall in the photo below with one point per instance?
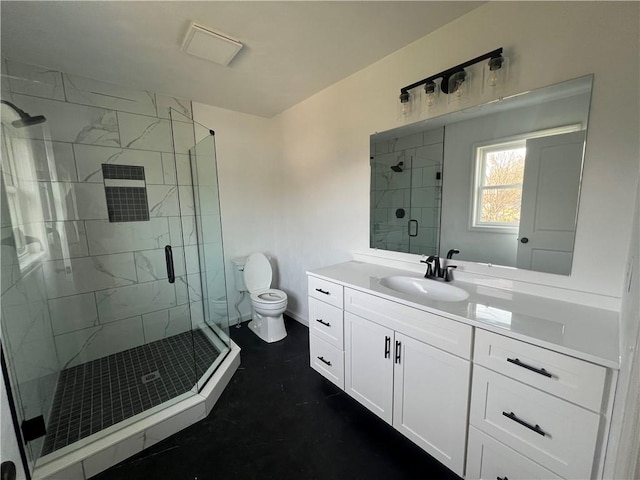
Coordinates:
(107, 289)
(416, 191)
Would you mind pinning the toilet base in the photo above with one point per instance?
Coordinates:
(269, 329)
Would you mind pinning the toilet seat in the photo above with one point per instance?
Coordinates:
(269, 296)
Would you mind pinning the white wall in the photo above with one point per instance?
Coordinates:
(247, 149)
(323, 205)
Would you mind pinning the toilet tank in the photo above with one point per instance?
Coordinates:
(238, 268)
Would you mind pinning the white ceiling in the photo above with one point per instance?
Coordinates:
(292, 49)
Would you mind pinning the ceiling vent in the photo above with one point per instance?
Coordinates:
(209, 45)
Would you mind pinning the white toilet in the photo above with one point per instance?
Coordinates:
(267, 304)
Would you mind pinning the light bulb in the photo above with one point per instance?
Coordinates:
(458, 90)
(495, 67)
(457, 84)
(430, 90)
(405, 105)
(493, 78)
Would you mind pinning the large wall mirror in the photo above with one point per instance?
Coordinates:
(499, 181)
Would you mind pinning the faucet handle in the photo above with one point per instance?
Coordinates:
(430, 267)
(448, 274)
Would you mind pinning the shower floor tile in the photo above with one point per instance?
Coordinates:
(95, 395)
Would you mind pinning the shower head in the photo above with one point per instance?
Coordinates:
(398, 168)
(28, 121)
(25, 119)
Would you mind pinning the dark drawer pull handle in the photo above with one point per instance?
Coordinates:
(537, 429)
(387, 347)
(398, 350)
(326, 324)
(502, 478)
(327, 362)
(322, 291)
(540, 371)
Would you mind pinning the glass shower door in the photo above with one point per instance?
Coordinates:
(30, 233)
(205, 270)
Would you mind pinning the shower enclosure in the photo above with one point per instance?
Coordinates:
(113, 285)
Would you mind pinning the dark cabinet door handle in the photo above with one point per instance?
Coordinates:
(8, 470)
(398, 350)
(326, 362)
(536, 428)
(326, 324)
(414, 222)
(387, 347)
(540, 371)
(322, 291)
(168, 255)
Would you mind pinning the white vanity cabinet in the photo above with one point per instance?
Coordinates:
(421, 390)
(487, 405)
(326, 347)
(543, 405)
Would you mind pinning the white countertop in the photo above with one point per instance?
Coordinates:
(583, 332)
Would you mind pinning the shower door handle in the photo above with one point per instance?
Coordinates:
(409, 228)
(168, 255)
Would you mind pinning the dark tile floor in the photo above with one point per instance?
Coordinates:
(97, 394)
(279, 419)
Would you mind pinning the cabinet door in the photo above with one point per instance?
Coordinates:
(488, 459)
(369, 364)
(431, 398)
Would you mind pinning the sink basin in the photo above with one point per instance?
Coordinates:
(425, 288)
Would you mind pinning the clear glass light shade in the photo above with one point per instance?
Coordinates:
(459, 86)
(406, 105)
(431, 93)
(495, 73)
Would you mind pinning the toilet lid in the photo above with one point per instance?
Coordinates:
(257, 272)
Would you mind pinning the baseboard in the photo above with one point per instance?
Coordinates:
(297, 318)
(234, 321)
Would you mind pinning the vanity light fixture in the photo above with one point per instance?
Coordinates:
(455, 80)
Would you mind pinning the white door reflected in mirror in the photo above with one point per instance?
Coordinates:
(549, 208)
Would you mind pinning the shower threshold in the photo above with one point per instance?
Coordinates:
(150, 399)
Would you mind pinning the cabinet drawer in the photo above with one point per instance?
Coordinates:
(567, 377)
(488, 459)
(327, 360)
(556, 434)
(448, 335)
(326, 322)
(328, 292)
